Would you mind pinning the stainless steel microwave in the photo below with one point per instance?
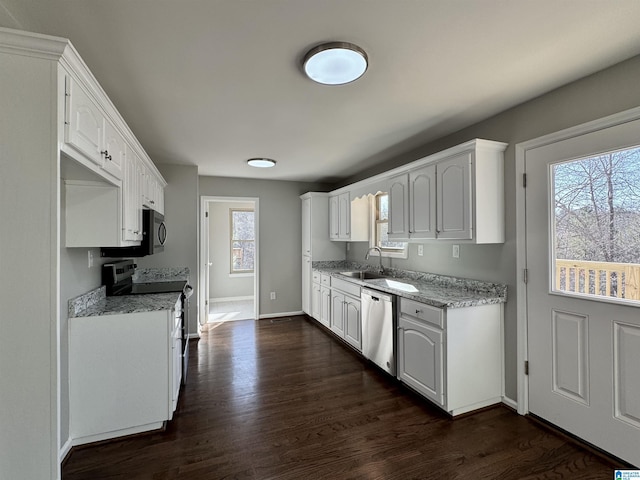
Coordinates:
(154, 236)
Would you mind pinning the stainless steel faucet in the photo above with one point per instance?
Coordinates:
(366, 257)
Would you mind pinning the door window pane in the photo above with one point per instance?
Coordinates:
(596, 225)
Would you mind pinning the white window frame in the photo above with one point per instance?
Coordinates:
(373, 232)
(232, 272)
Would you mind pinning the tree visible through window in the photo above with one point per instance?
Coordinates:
(597, 225)
(242, 241)
(382, 226)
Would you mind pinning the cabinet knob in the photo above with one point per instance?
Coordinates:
(418, 311)
(152, 202)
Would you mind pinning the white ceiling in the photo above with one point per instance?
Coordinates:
(215, 82)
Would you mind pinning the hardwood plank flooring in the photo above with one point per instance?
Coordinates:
(281, 399)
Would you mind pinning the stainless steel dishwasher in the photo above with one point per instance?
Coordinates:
(378, 328)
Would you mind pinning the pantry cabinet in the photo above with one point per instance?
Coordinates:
(457, 194)
(453, 357)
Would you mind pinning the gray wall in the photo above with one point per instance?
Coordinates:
(280, 235)
(181, 217)
(221, 283)
(604, 93)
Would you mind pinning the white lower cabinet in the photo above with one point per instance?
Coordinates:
(452, 357)
(124, 373)
(325, 306)
(346, 320)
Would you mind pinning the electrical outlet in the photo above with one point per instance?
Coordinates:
(90, 258)
(456, 251)
(420, 250)
(273, 295)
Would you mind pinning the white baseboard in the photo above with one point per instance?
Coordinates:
(230, 299)
(510, 403)
(282, 314)
(64, 450)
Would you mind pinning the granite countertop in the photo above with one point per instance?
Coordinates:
(436, 290)
(96, 302)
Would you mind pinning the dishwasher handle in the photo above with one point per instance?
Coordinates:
(375, 295)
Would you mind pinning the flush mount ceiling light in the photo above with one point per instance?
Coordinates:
(335, 63)
(261, 162)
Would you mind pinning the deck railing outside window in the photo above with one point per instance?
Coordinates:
(619, 280)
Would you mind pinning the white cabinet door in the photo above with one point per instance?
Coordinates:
(325, 308)
(420, 352)
(131, 203)
(352, 322)
(344, 216)
(316, 301)
(306, 285)
(114, 150)
(454, 197)
(85, 124)
(306, 226)
(334, 217)
(422, 203)
(399, 207)
(337, 313)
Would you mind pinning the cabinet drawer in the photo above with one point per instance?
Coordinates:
(422, 311)
(346, 287)
(325, 280)
(316, 277)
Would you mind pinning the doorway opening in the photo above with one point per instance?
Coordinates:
(229, 270)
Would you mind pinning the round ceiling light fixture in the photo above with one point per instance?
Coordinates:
(335, 63)
(261, 162)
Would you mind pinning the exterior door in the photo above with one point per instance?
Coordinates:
(583, 315)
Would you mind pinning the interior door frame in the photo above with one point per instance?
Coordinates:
(521, 240)
(203, 249)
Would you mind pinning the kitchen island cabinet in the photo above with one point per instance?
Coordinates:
(124, 372)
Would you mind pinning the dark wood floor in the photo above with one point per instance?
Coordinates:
(281, 399)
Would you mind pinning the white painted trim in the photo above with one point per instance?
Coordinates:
(510, 402)
(282, 314)
(65, 449)
(521, 241)
(192, 336)
(230, 299)
(204, 240)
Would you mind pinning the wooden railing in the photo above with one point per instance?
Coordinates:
(620, 280)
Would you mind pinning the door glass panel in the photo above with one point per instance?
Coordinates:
(596, 226)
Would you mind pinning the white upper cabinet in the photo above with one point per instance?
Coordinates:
(412, 204)
(399, 206)
(85, 123)
(114, 150)
(454, 198)
(348, 219)
(455, 195)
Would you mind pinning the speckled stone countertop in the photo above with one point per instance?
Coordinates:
(103, 305)
(437, 290)
(96, 302)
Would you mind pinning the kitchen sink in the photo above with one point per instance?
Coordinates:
(362, 275)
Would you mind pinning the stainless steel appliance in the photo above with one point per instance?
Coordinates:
(118, 279)
(379, 328)
(154, 236)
